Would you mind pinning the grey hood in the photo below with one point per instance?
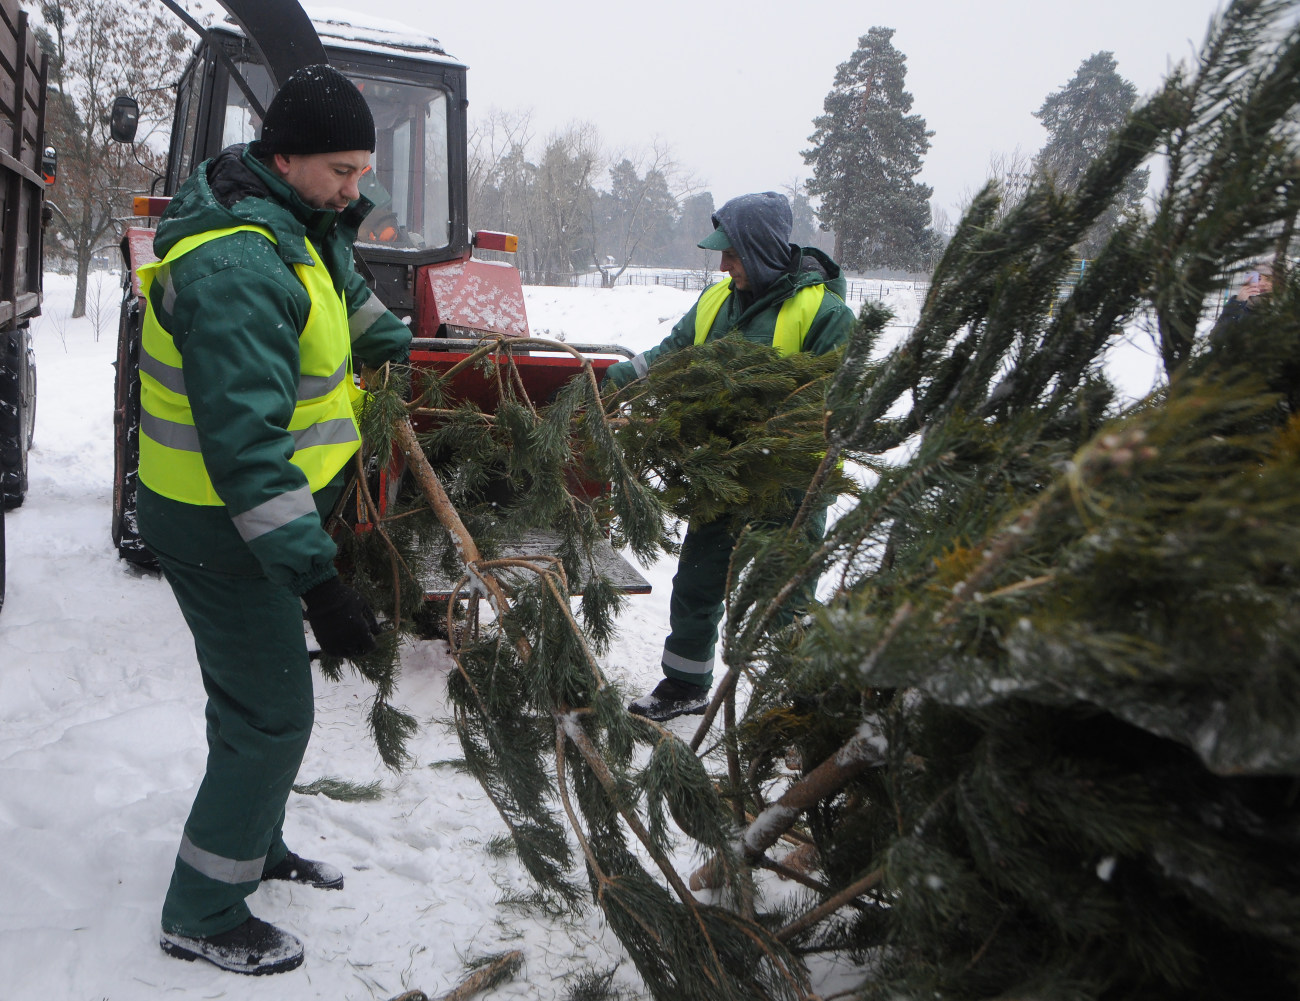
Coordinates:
(758, 227)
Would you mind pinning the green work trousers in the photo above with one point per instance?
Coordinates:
(698, 599)
(252, 652)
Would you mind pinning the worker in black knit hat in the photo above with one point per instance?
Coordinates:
(247, 427)
(318, 136)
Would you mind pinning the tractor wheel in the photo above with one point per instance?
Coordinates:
(126, 439)
(17, 412)
(29, 395)
(2, 556)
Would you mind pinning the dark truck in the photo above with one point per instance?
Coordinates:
(25, 168)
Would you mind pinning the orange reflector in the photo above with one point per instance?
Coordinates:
(485, 239)
(146, 206)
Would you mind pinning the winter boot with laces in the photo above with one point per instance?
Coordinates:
(671, 698)
(296, 869)
(254, 947)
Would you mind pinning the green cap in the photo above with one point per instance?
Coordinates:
(717, 240)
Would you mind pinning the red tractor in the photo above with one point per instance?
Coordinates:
(415, 249)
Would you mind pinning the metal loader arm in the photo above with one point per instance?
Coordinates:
(281, 33)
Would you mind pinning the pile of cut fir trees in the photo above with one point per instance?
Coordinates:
(1042, 736)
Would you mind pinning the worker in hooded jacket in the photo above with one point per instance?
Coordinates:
(254, 323)
(776, 293)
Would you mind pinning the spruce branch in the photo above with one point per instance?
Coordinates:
(396, 559)
(575, 733)
(562, 785)
(495, 970)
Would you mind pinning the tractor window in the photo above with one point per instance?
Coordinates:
(241, 123)
(409, 184)
(409, 179)
(188, 113)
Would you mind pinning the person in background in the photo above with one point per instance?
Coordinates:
(776, 293)
(255, 314)
(1257, 282)
(1235, 337)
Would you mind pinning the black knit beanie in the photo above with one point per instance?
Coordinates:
(318, 110)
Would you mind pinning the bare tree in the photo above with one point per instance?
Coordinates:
(1014, 172)
(99, 49)
(549, 194)
(562, 200)
(544, 198)
(646, 188)
(491, 140)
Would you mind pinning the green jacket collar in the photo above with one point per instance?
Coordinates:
(302, 220)
(318, 224)
(792, 281)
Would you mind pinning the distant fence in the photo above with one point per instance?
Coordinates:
(859, 290)
(687, 281)
(697, 281)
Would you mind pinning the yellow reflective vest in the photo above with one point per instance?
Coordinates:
(323, 424)
(792, 321)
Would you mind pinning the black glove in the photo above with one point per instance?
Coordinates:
(343, 623)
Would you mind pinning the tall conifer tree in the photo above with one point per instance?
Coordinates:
(866, 153)
(1081, 118)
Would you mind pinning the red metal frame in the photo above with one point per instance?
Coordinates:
(470, 294)
(137, 246)
(542, 375)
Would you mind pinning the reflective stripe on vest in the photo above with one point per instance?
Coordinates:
(323, 424)
(792, 321)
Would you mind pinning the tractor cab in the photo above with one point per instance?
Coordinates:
(417, 176)
(414, 247)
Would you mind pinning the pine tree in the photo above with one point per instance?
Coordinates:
(1081, 119)
(1044, 736)
(805, 230)
(866, 152)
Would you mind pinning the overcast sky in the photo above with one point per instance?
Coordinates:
(733, 88)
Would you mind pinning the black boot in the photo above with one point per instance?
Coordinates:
(295, 869)
(254, 947)
(671, 698)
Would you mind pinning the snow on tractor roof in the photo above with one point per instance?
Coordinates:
(337, 24)
(347, 29)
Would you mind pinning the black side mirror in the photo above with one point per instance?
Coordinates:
(125, 119)
(49, 164)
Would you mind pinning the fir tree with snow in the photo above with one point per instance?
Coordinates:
(1080, 119)
(866, 152)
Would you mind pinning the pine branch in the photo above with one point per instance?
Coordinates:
(448, 516)
(497, 971)
(831, 905)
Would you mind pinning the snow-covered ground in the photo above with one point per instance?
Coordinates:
(102, 741)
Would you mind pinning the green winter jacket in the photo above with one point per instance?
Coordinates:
(235, 310)
(757, 320)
